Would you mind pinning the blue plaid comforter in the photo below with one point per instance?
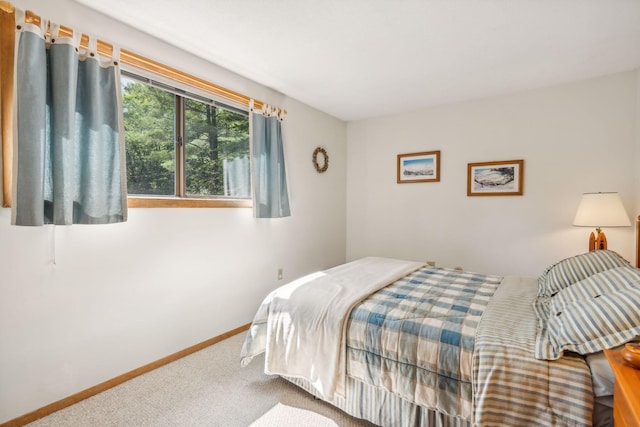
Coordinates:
(415, 338)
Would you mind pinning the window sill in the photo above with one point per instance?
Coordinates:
(175, 202)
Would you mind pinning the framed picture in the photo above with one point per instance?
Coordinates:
(503, 178)
(419, 167)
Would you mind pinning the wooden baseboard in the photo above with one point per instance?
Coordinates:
(92, 391)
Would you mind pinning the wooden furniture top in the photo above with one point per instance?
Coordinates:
(627, 381)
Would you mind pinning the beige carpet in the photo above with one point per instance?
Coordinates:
(207, 388)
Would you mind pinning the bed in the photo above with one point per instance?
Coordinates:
(400, 343)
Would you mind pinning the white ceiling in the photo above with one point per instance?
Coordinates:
(358, 59)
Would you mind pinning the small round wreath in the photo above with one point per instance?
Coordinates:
(325, 160)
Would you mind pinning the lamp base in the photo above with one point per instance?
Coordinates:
(597, 242)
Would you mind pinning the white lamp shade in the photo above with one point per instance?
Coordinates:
(601, 210)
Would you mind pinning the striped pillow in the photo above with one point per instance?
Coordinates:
(609, 281)
(571, 270)
(602, 311)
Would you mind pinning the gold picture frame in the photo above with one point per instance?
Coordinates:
(499, 178)
(419, 167)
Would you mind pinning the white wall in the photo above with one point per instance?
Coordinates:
(574, 138)
(83, 304)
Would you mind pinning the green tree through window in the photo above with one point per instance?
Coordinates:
(180, 146)
(149, 137)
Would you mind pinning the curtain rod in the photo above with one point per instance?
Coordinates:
(129, 58)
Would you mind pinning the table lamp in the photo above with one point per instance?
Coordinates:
(600, 210)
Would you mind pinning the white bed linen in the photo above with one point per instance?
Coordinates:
(304, 321)
(601, 374)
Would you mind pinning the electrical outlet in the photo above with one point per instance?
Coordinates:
(279, 274)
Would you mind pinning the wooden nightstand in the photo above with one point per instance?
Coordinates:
(626, 397)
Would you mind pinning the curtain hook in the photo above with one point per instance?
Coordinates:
(44, 26)
(115, 54)
(54, 31)
(93, 44)
(76, 37)
(20, 16)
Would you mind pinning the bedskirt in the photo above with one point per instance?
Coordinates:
(382, 408)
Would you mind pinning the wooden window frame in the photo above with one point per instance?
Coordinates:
(180, 198)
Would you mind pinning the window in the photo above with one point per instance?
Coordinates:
(180, 145)
(130, 60)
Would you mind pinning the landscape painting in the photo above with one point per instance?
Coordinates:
(501, 178)
(419, 167)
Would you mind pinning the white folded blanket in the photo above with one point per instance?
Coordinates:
(301, 326)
